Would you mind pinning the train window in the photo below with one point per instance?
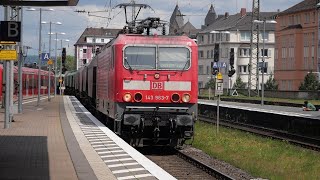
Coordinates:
(140, 57)
(177, 58)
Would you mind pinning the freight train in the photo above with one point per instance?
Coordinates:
(29, 81)
(143, 86)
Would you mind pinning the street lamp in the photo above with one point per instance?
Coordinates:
(39, 60)
(49, 82)
(55, 62)
(263, 54)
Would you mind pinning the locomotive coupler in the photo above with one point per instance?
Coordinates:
(156, 130)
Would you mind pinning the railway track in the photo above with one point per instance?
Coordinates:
(303, 141)
(182, 166)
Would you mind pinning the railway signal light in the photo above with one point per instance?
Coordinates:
(231, 57)
(216, 53)
(231, 72)
(214, 69)
(63, 56)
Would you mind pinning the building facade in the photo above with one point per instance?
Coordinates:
(233, 31)
(297, 44)
(89, 42)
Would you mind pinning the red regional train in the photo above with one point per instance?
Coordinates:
(29, 81)
(144, 87)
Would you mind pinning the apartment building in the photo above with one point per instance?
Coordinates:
(233, 31)
(297, 43)
(91, 40)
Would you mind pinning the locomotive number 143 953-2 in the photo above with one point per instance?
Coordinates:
(157, 98)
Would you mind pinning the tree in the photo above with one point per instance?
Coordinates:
(310, 82)
(239, 84)
(271, 84)
(70, 65)
(211, 84)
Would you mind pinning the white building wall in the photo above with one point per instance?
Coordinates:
(236, 43)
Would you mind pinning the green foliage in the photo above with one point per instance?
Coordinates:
(271, 84)
(70, 65)
(275, 159)
(310, 83)
(211, 83)
(239, 84)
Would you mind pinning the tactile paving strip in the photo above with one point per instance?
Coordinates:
(122, 165)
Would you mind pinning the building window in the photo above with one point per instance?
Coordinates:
(245, 36)
(218, 37)
(227, 37)
(84, 61)
(208, 53)
(307, 17)
(200, 69)
(242, 69)
(200, 54)
(212, 53)
(200, 39)
(200, 84)
(265, 36)
(209, 38)
(244, 52)
(84, 51)
(291, 20)
(208, 69)
(94, 40)
(102, 40)
(276, 54)
(264, 52)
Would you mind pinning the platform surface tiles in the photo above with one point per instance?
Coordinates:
(271, 109)
(109, 156)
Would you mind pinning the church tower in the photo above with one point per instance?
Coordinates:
(176, 21)
(211, 16)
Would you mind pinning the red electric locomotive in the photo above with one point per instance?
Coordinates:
(144, 87)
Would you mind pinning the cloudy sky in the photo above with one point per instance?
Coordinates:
(73, 23)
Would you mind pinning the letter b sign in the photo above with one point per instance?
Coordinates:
(10, 31)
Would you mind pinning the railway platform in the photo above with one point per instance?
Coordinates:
(60, 139)
(268, 109)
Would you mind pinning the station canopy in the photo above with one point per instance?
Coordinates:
(39, 2)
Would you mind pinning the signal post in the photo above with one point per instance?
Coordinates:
(218, 92)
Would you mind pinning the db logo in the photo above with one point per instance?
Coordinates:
(157, 85)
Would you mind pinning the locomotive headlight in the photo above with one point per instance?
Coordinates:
(138, 97)
(175, 97)
(186, 98)
(127, 97)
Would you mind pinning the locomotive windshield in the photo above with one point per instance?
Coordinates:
(167, 58)
(140, 57)
(174, 58)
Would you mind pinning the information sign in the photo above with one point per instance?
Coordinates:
(8, 55)
(219, 87)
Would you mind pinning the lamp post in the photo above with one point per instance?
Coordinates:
(39, 60)
(318, 52)
(50, 33)
(263, 52)
(60, 73)
(220, 50)
(55, 62)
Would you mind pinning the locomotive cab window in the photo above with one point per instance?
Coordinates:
(140, 57)
(167, 58)
(177, 58)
